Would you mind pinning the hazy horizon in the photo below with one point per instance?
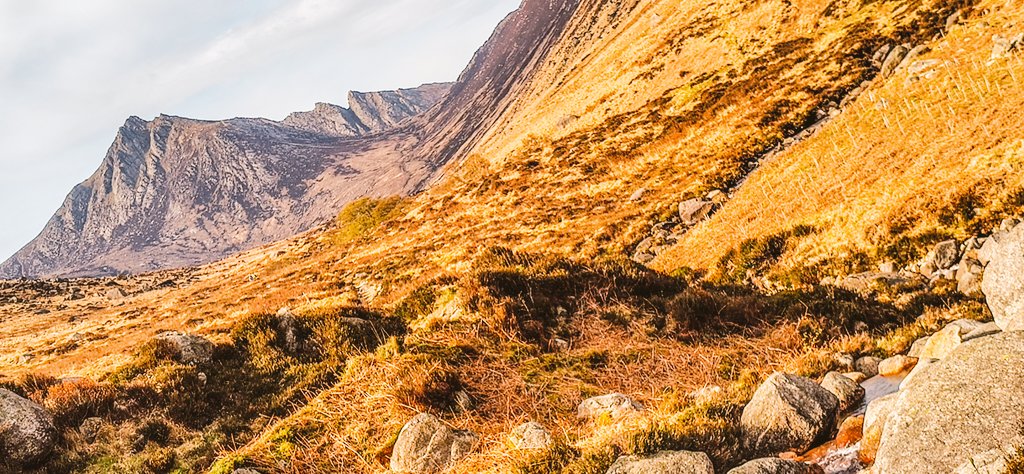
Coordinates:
(71, 74)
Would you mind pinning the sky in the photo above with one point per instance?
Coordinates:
(71, 72)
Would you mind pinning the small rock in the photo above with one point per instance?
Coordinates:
(463, 402)
(665, 462)
(776, 466)
(893, 59)
(615, 405)
(844, 360)
(867, 365)
(947, 254)
(707, 394)
(850, 432)
(426, 445)
(940, 344)
(848, 392)
(896, 365)
(638, 195)
(27, 433)
(530, 436)
(185, 348)
(1004, 46)
(787, 412)
(857, 377)
(245, 470)
(887, 267)
(694, 211)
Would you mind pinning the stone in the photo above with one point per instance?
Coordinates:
(776, 466)
(90, 428)
(947, 254)
(857, 377)
(1004, 46)
(867, 365)
(615, 405)
(787, 412)
(918, 346)
(638, 195)
(896, 365)
(1003, 283)
(953, 20)
(844, 360)
(426, 445)
(986, 329)
(848, 392)
(893, 59)
(869, 282)
(185, 348)
(851, 431)
(967, 403)
(875, 417)
(707, 394)
(693, 211)
(245, 470)
(530, 436)
(969, 275)
(887, 267)
(922, 365)
(27, 433)
(940, 344)
(664, 462)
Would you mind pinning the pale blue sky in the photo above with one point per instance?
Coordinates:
(71, 72)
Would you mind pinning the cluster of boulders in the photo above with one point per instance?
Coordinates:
(666, 234)
(961, 262)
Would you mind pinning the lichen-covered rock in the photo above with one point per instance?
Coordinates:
(530, 436)
(185, 348)
(967, 403)
(665, 462)
(426, 445)
(787, 412)
(1003, 283)
(615, 405)
(776, 466)
(27, 434)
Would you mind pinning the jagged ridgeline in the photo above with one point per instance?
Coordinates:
(609, 235)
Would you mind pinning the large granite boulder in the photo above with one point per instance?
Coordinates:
(788, 412)
(426, 445)
(970, 402)
(848, 392)
(665, 462)
(776, 466)
(1003, 282)
(27, 434)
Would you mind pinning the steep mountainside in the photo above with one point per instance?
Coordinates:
(304, 169)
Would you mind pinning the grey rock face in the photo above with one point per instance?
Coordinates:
(185, 348)
(665, 462)
(530, 436)
(776, 466)
(369, 112)
(426, 445)
(848, 392)
(788, 412)
(1003, 283)
(27, 434)
(967, 403)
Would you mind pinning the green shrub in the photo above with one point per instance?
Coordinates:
(360, 217)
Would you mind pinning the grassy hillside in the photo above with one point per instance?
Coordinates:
(505, 293)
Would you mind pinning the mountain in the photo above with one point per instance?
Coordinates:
(179, 192)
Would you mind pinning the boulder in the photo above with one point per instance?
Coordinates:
(867, 365)
(530, 436)
(848, 392)
(995, 461)
(896, 365)
(1004, 46)
(27, 433)
(615, 405)
(923, 365)
(918, 347)
(940, 344)
(694, 211)
(986, 329)
(184, 348)
(968, 276)
(947, 254)
(869, 282)
(893, 59)
(967, 403)
(787, 412)
(857, 377)
(877, 415)
(1003, 283)
(776, 466)
(851, 431)
(665, 462)
(426, 445)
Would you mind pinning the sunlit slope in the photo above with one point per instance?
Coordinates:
(892, 165)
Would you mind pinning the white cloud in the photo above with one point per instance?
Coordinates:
(71, 72)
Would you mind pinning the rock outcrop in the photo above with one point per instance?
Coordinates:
(967, 403)
(27, 434)
(787, 412)
(369, 112)
(426, 445)
(665, 462)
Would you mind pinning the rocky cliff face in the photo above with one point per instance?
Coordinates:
(178, 192)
